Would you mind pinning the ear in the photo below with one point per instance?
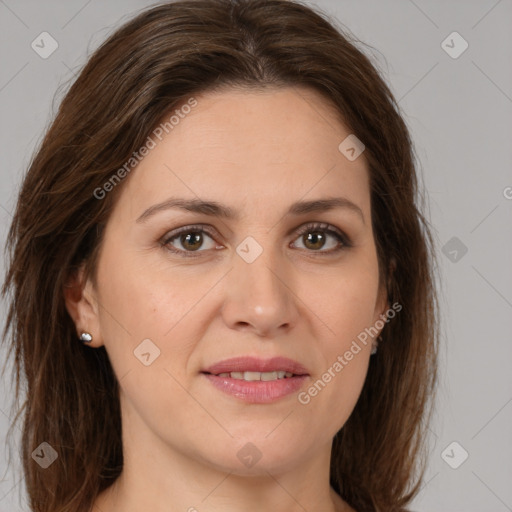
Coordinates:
(82, 305)
(382, 304)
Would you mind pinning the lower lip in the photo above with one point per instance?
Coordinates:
(257, 392)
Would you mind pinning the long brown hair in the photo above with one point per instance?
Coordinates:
(163, 56)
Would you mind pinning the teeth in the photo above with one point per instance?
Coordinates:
(254, 376)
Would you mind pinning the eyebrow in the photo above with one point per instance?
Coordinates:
(216, 209)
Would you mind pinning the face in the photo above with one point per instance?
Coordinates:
(179, 291)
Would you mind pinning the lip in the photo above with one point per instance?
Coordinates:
(257, 391)
(255, 364)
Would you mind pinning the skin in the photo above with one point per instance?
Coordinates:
(257, 152)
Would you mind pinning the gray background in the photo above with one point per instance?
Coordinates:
(459, 111)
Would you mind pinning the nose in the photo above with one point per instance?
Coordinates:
(259, 297)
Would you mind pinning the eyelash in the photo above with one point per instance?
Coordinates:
(313, 227)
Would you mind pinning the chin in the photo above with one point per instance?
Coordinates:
(255, 455)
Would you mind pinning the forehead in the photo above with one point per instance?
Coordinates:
(249, 148)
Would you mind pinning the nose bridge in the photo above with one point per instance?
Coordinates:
(256, 268)
(258, 294)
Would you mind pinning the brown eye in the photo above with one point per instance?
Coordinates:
(190, 238)
(315, 237)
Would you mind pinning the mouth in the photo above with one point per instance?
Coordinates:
(256, 376)
(254, 365)
(256, 380)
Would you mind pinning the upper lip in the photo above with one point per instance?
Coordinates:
(255, 364)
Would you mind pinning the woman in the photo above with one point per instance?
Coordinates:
(222, 284)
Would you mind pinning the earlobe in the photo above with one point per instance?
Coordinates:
(82, 306)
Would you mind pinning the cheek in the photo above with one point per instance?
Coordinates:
(144, 318)
(346, 311)
(335, 389)
(142, 301)
(345, 301)
(143, 298)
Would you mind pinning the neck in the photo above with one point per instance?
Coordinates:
(193, 487)
(160, 477)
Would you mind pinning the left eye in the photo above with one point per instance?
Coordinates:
(191, 239)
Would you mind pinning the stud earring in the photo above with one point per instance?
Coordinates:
(85, 337)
